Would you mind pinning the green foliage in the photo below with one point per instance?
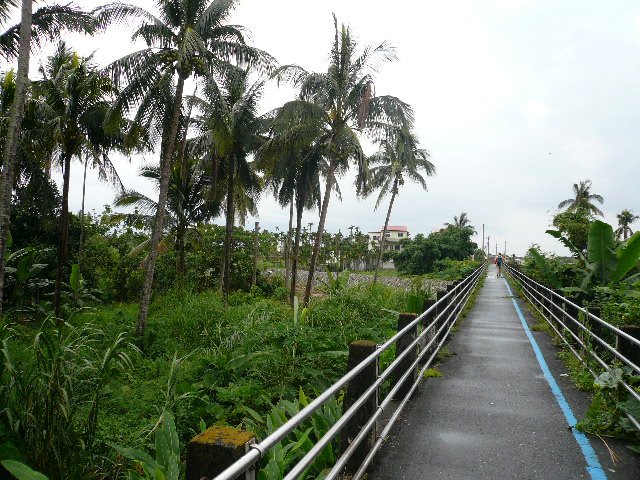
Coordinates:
(286, 453)
(607, 413)
(167, 464)
(52, 393)
(417, 296)
(421, 254)
(547, 274)
(21, 471)
(335, 284)
(574, 225)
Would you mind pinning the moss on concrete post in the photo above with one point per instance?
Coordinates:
(212, 451)
(358, 351)
(402, 344)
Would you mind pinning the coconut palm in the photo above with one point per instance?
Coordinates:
(398, 158)
(625, 218)
(47, 22)
(461, 222)
(339, 104)
(229, 126)
(188, 38)
(293, 170)
(187, 202)
(76, 98)
(583, 199)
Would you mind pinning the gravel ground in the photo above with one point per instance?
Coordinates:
(398, 282)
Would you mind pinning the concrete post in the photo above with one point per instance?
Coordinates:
(441, 308)
(212, 451)
(358, 351)
(426, 320)
(402, 344)
(558, 307)
(572, 312)
(625, 347)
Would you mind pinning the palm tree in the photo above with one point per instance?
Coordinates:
(339, 104)
(187, 203)
(583, 199)
(76, 100)
(625, 218)
(47, 22)
(461, 222)
(229, 126)
(399, 157)
(293, 169)
(188, 38)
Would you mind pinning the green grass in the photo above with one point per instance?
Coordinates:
(432, 373)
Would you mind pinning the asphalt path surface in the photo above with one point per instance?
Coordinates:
(493, 414)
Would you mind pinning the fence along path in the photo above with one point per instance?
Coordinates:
(499, 411)
(495, 413)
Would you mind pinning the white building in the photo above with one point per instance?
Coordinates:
(393, 237)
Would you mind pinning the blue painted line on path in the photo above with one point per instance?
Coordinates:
(593, 464)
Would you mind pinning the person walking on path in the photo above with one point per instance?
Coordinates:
(498, 262)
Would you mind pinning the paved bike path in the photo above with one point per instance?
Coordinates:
(492, 415)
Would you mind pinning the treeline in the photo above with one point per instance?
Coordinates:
(192, 96)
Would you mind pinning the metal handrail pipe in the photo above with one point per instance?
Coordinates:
(316, 450)
(335, 470)
(258, 450)
(580, 325)
(365, 464)
(582, 309)
(593, 354)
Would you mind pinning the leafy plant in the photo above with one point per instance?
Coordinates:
(335, 284)
(52, 396)
(22, 471)
(280, 458)
(417, 296)
(166, 465)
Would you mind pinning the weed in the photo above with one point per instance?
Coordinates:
(432, 373)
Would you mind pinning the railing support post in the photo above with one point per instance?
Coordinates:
(626, 347)
(428, 303)
(558, 307)
(571, 317)
(358, 351)
(402, 344)
(212, 451)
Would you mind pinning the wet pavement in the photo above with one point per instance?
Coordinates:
(493, 415)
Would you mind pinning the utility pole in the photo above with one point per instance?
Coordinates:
(483, 238)
(496, 249)
(505, 249)
(488, 245)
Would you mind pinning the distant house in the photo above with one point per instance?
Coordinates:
(392, 242)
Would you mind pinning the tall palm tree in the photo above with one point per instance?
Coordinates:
(625, 218)
(399, 158)
(229, 125)
(189, 37)
(461, 222)
(339, 104)
(47, 22)
(583, 199)
(76, 100)
(293, 169)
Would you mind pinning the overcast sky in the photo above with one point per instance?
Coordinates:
(516, 100)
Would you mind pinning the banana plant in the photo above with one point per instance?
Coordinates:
(22, 471)
(607, 261)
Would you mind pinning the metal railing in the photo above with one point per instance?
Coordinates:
(442, 315)
(586, 335)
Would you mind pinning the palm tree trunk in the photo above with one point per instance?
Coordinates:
(256, 242)
(384, 231)
(63, 236)
(296, 247)
(13, 135)
(76, 290)
(287, 248)
(165, 169)
(228, 236)
(181, 230)
(318, 242)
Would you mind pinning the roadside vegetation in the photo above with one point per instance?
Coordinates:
(124, 330)
(603, 272)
